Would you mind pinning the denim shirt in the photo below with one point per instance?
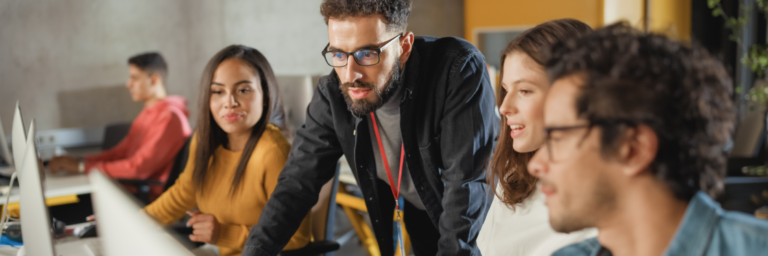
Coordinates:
(706, 229)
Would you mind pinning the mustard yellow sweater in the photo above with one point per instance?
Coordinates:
(235, 214)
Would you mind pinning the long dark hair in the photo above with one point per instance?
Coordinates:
(210, 135)
(508, 165)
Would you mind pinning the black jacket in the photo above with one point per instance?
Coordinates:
(448, 126)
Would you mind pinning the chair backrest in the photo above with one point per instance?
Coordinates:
(324, 211)
(741, 193)
(297, 93)
(113, 134)
(179, 163)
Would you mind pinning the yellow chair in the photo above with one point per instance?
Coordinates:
(352, 206)
(13, 208)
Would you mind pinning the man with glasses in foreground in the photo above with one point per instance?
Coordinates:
(636, 127)
(414, 117)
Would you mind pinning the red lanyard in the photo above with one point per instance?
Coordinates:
(395, 192)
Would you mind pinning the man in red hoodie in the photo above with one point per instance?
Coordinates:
(155, 137)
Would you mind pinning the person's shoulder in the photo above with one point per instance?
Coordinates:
(272, 149)
(445, 45)
(452, 43)
(743, 229)
(738, 219)
(173, 107)
(273, 139)
(328, 82)
(585, 248)
(731, 222)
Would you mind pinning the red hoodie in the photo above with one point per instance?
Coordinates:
(147, 152)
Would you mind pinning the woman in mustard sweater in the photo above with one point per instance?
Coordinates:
(235, 155)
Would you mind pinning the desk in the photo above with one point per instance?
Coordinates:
(57, 185)
(68, 245)
(9, 251)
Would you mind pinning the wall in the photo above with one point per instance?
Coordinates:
(439, 18)
(47, 47)
(54, 48)
(632, 11)
(672, 18)
(489, 14)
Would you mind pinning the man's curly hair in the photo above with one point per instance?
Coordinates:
(683, 94)
(395, 12)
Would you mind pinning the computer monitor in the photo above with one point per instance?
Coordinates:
(5, 153)
(124, 229)
(35, 223)
(18, 138)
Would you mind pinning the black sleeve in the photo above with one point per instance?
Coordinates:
(311, 164)
(469, 126)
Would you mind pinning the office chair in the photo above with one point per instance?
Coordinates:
(353, 206)
(179, 164)
(142, 186)
(113, 134)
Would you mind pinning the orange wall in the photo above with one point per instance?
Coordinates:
(508, 13)
(672, 18)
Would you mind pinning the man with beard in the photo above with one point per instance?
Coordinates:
(414, 117)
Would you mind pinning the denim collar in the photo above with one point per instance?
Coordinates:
(695, 232)
(692, 237)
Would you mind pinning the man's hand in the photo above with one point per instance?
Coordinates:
(206, 228)
(64, 163)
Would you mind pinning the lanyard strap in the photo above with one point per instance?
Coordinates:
(395, 192)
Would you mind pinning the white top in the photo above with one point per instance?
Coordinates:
(524, 231)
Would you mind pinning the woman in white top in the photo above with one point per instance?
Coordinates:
(518, 221)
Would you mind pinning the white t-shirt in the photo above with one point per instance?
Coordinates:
(524, 231)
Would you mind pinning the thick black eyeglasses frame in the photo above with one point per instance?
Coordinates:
(378, 53)
(548, 131)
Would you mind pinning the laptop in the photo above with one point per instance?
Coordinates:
(35, 221)
(123, 227)
(18, 138)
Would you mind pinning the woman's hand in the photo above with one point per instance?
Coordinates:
(206, 228)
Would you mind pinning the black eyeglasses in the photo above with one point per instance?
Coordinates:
(364, 57)
(551, 146)
(553, 149)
